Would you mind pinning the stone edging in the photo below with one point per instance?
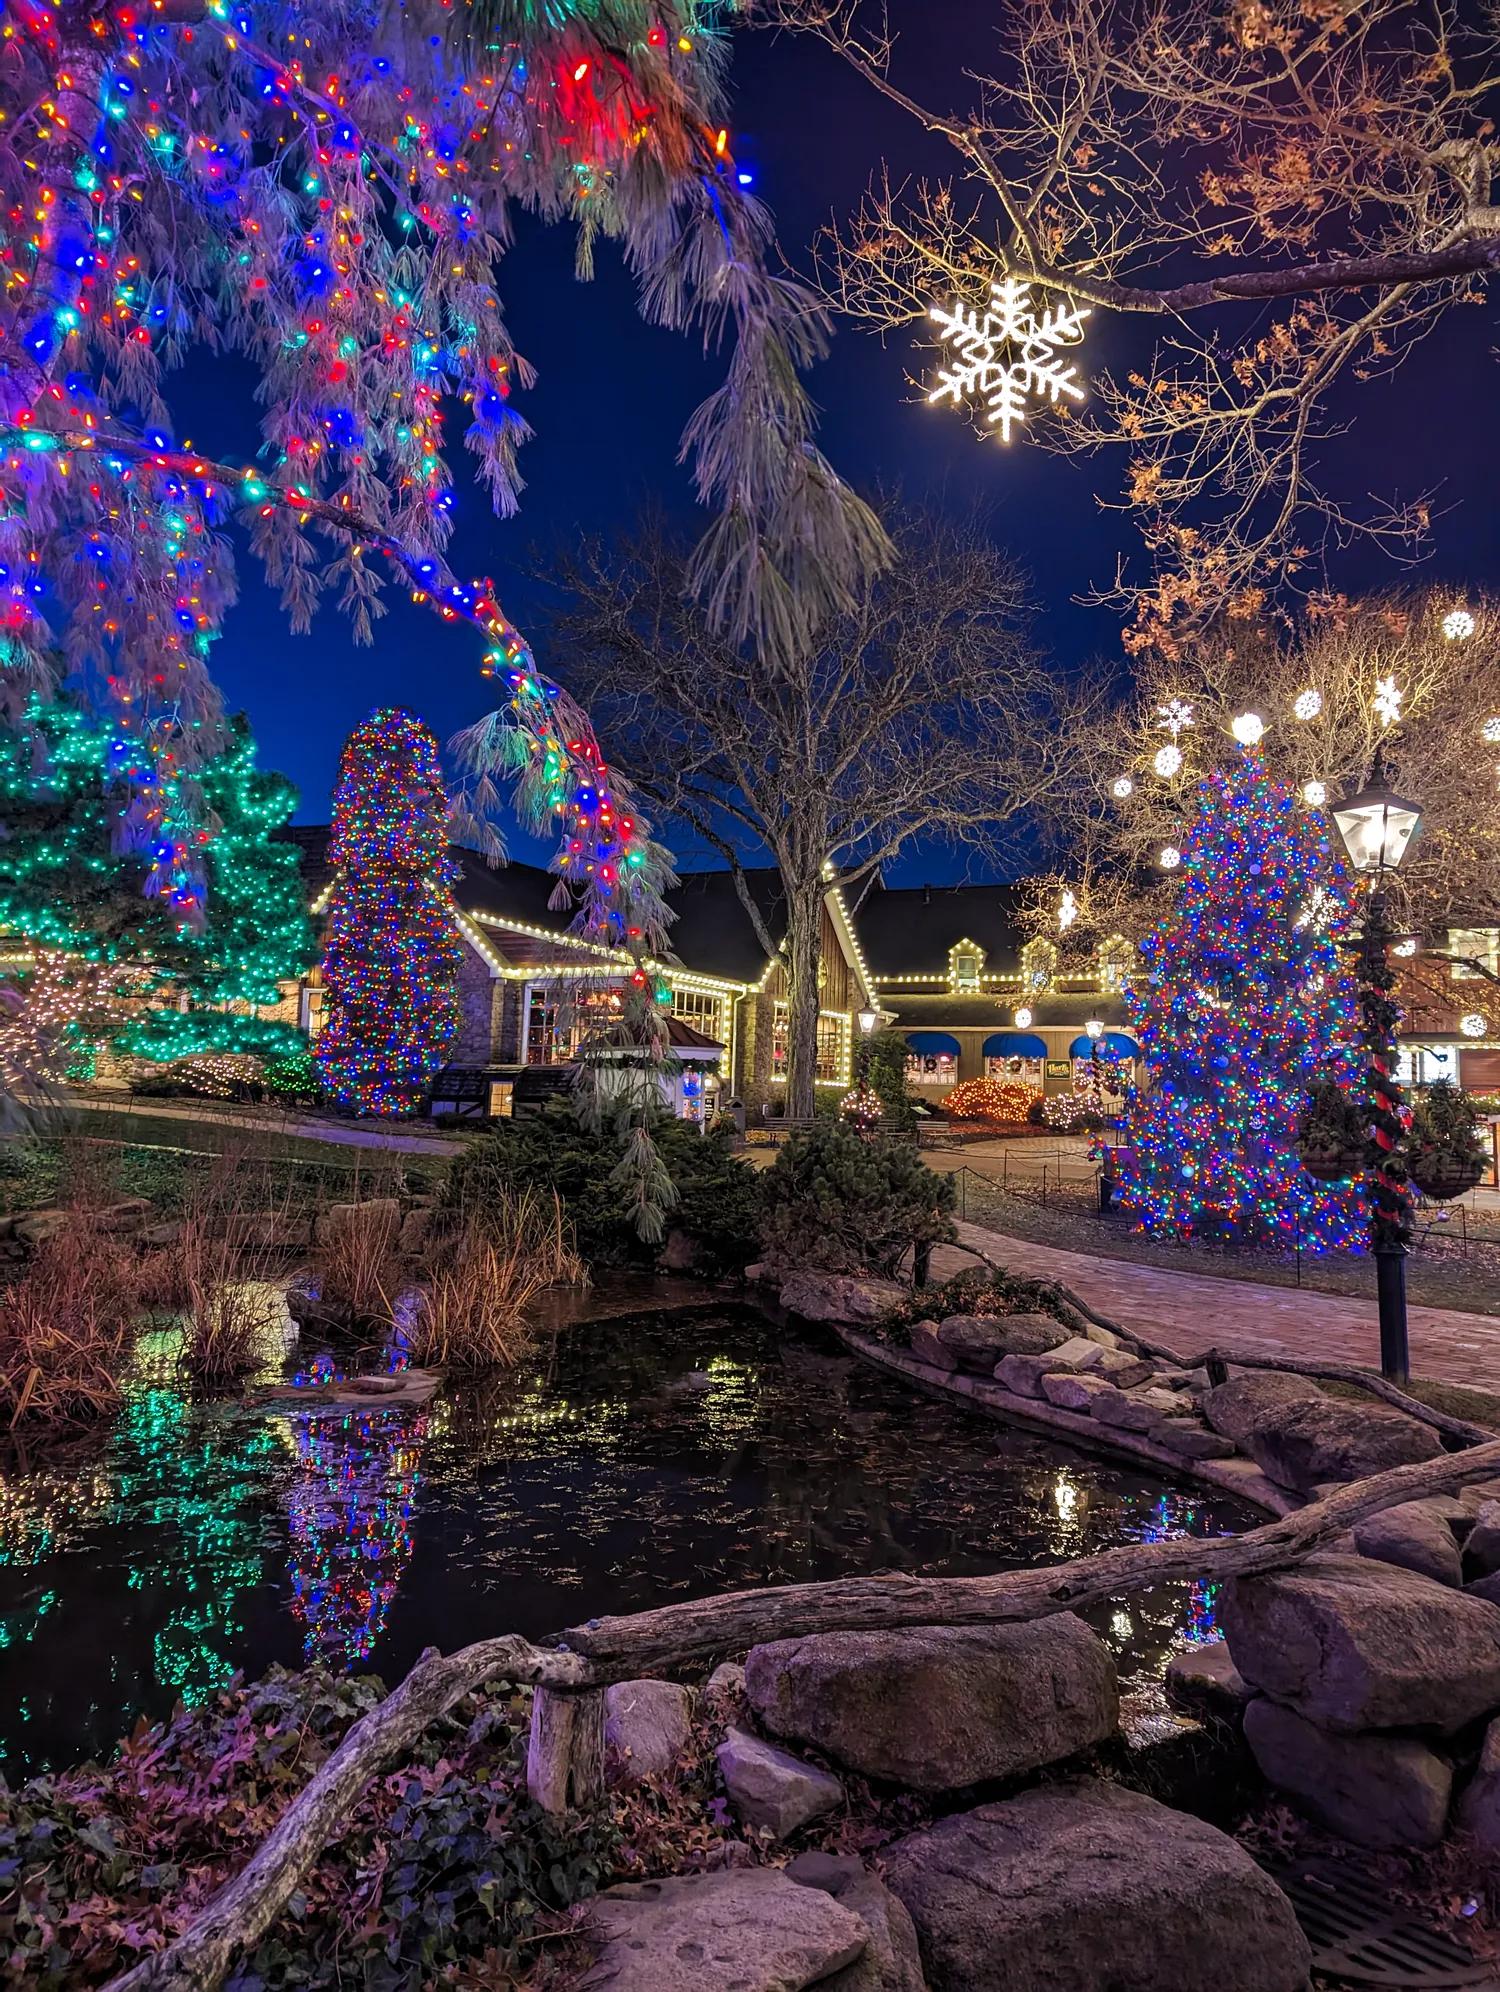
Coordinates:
(1240, 1477)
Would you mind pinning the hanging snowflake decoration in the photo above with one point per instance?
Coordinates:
(1386, 704)
(1174, 717)
(1007, 355)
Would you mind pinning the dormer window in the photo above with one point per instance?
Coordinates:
(965, 965)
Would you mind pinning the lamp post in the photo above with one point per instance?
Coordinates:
(867, 1019)
(1378, 827)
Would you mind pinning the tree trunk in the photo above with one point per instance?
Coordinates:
(667, 1640)
(804, 923)
(565, 1758)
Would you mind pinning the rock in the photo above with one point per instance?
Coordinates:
(1487, 1588)
(728, 1678)
(36, 1226)
(1074, 1390)
(1023, 1374)
(1165, 1403)
(1317, 1439)
(977, 1341)
(1191, 1440)
(1414, 1538)
(1123, 1369)
(892, 1962)
(1033, 1334)
(739, 1930)
(1479, 1808)
(772, 1789)
(415, 1227)
(758, 1272)
(1124, 1410)
(938, 1708)
(376, 1214)
(1377, 1790)
(1481, 1557)
(124, 1215)
(926, 1347)
(1357, 1645)
(163, 1234)
(1474, 1498)
(647, 1724)
(682, 1253)
(1236, 1407)
(1105, 1337)
(1204, 1681)
(840, 1297)
(1086, 1887)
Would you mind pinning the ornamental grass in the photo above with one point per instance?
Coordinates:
(359, 1262)
(481, 1279)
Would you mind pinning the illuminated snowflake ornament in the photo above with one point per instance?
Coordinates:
(1121, 787)
(1457, 625)
(1308, 704)
(1008, 355)
(1067, 911)
(1168, 762)
(1386, 704)
(1174, 717)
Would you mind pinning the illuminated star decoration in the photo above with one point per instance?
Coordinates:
(1386, 704)
(1007, 354)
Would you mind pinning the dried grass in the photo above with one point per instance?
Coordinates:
(359, 1264)
(480, 1280)
(65, 1320)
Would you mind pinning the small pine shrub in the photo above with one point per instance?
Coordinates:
(844, 1204)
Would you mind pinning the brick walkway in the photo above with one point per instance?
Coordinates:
(1189, 1312)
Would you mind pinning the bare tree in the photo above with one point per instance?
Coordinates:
(923, 710)
(1328, 691)
(1295, 189)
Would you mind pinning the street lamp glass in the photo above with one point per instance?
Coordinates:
(1377, 826)
(868, 1019)
(1094, 1027)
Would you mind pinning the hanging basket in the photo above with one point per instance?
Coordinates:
(1332, 1165)
(1441, 1174)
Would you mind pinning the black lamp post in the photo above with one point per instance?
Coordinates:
(868, 1019)
(1378, 827)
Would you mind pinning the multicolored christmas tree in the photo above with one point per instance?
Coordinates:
(1244, 1006)
(391, 962)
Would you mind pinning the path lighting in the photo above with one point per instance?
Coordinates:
(1378, 828)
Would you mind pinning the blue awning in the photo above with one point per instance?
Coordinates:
(933, 1043)
(1015, 1044)
(1114, 1044)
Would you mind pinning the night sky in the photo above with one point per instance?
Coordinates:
(613, 394)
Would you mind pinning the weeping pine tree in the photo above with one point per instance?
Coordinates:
(1245, 1007)
(391, 962)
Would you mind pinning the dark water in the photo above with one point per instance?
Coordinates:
(641, 1460)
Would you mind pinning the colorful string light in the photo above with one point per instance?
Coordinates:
(1245, 1005)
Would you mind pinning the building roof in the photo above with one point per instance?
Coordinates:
(713, 933)
(910, 930)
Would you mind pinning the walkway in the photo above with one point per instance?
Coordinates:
(338, 1134)
(1190, 1312)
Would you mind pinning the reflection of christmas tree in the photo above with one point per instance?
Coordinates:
(350, 1518)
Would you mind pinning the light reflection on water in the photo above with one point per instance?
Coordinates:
(642, 1459)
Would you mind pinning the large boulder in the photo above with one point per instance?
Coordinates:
(1352, 1645)
(1236, 1408)
(840, 1297)
(1306, 1442)
(978, 1341)
(1377, 1790)
(891, 1962)
(1416, 1536)
(938, 1708)
(1023, 1374)
(647, 1725)
(377, 1219)
(1481, 1556)
(926, 1347)
(772, 1789)
(1479, 1808)
(1086, 1887)
(740, 1930)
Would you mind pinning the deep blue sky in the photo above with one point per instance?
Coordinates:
(613, 394)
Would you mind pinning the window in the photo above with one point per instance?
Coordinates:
(965, 960)
(702, 1009)
(933, 1068)
(833, 1041)
(1027, 1071)
(558, 1020)
(1481, 944)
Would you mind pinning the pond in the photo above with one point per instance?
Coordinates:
(637, 1459)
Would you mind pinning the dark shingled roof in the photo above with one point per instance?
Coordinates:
(909, 931)
(713, 933)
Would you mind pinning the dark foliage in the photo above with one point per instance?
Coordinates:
(718, 1195)
(837, 1201)
(979, 1290)
(886, 1072)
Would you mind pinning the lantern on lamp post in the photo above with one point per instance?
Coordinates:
(1378, 828)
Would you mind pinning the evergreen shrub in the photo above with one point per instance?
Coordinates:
(839, 1202)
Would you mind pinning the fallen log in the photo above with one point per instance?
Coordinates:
(589, 1657)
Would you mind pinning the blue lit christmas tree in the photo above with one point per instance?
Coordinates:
(1244, 1006)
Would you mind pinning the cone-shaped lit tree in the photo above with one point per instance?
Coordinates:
(1244, 1006)
(391, 962)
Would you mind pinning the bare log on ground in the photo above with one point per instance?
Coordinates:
(677, 1636)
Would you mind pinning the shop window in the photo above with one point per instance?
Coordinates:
(702, 1009)
(557, 1021)
(833, 1041)
(932, 1068)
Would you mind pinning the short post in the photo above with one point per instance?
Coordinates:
(565, 1755)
